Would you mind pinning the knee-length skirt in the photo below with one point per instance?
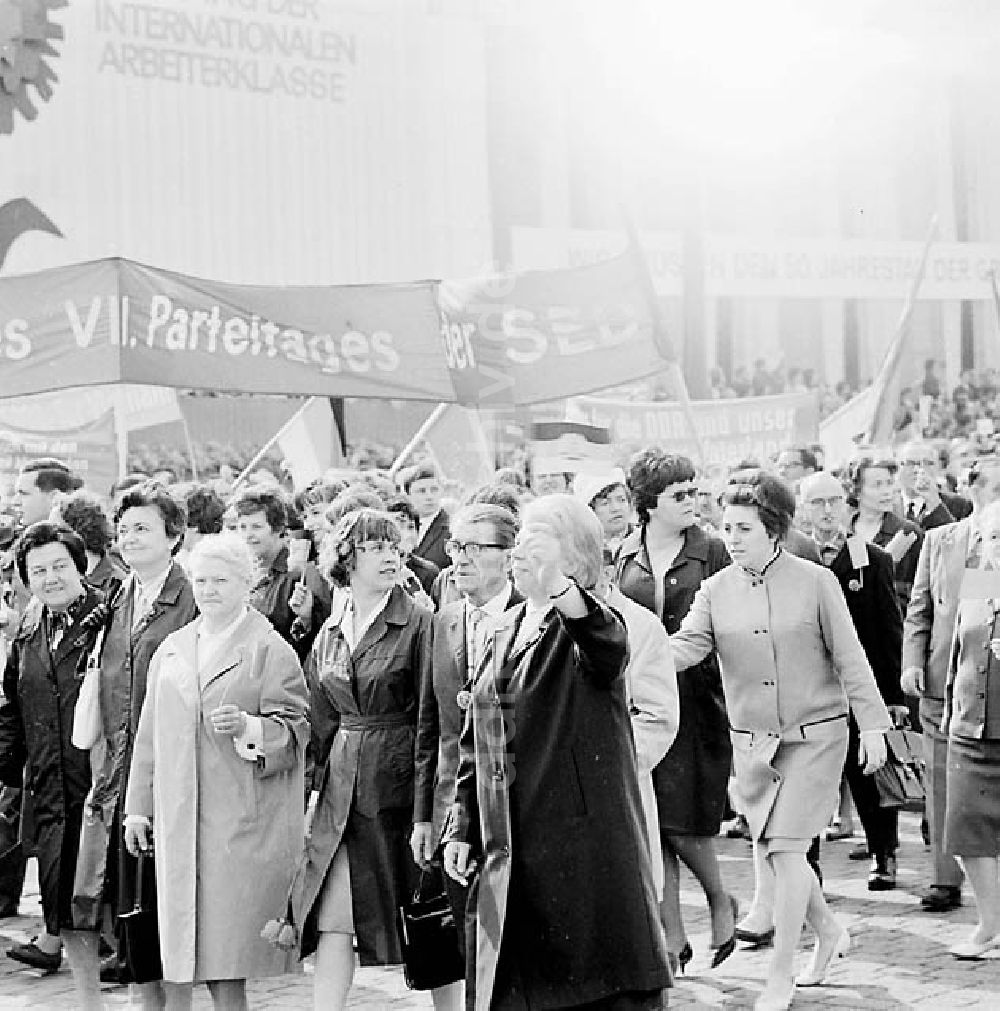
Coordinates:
(972, 811)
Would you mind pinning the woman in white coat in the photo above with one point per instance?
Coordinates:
(218, 772)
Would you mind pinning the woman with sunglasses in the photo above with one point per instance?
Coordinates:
(661, 565)
(364, 674)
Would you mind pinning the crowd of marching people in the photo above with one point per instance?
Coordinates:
(243, 726)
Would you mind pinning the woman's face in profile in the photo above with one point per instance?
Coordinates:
(218, 591)
(746, 538)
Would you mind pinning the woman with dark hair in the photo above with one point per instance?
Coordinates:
(661, 565)
(792, 669)
(364, 675)
(872, 491)
(83, 513)
(41, 684)
(155, 601)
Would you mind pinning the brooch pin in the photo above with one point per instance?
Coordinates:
(464, 699)
(855, 585)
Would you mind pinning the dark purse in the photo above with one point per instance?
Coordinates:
(428, 936)
(900, 781)
(138, 932)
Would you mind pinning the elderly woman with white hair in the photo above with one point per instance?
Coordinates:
(217, 782)
(547, 798)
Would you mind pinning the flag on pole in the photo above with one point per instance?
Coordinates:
(307, 441)
(888, 382)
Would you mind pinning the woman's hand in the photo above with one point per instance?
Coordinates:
(541, 550)
(137, 836)
(301, 601)
(871, 751)
(228, 719)
(422, 843)
(457, 864)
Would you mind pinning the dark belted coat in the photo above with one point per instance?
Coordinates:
(548, 796)
(36, 725)
(363, 710)
(691, 781)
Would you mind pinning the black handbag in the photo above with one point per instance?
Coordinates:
(138, 932)
(428, 936)
(900, 781)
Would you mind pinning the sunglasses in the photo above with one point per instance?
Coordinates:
(682, 493)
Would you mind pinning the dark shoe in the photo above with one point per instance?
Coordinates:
(941, 898)
(104, 950)
(737, 828)
(761, 940)
(859, 853)
(684, 956)
(925, 831)
(31, 954)
(882, 877)
(723, 951)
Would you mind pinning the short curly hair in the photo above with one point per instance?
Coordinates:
(83, 512)
(339, 554)
(858, 467)
(650, 472)
(205, 508)
(38, 535)
(269, 501)
(154, 495)
(768, 494)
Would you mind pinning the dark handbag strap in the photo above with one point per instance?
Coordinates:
(429, 873)
(140, 865)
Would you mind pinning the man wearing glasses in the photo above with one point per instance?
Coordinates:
(480, 546)
(865, 574)
(921, 499)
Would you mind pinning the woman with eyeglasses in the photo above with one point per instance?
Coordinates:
(364, 673)
(661, 565)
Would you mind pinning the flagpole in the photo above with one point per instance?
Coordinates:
(266, 448)
(660, 334)
(996, 292)
(890, 363)
(422, 431)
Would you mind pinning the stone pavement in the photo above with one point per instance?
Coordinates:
(899, 958)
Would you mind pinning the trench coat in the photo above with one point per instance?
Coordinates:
(363, 712)
(125, 659)
(40, 688)
(792, 669)
(227, 831)
(548, 797)
(692, 778)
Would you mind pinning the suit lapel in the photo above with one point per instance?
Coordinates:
(954, 557)
(230, 654)
(455, 631)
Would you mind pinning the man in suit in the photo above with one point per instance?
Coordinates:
(865, 574)
(921, 499)
(423, 486)
(482, 539)
(927, 640)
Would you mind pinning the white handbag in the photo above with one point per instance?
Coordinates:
(87, 723)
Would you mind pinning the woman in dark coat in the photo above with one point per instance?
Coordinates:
(364, 675)
(40, 687)
(547, 797)
(661, 566)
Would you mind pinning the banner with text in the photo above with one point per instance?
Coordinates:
(514, 340)
(89, 450)
(730, 430)
(544, 335)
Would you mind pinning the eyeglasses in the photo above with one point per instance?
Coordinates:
(928, 462)
(834, 502)
(378, 548)
(471, 548)
(681, 494)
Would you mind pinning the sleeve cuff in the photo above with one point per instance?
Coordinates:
(136, 819)
(250, 744)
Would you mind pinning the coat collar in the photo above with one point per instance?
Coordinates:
(236, 648)
(695, 547)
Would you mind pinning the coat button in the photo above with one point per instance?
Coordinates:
(673, 580)
(505, 850)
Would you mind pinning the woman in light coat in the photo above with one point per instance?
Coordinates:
(792, 666)
(218, 769)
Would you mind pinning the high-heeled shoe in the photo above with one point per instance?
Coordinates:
(817, 969)
(776, 996)
(724, 950)
(679, 960)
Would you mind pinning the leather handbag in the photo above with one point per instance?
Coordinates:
(428, 935)
(900, 781)
(138, 932)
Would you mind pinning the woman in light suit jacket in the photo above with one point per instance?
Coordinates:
(791, 667)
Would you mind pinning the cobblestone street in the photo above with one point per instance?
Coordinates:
(899, 958)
